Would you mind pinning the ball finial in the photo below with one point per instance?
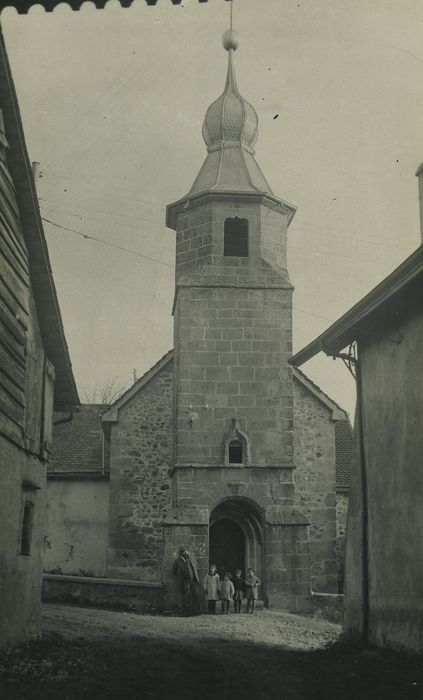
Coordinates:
(230, 40)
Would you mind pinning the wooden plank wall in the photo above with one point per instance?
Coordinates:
(14, 307)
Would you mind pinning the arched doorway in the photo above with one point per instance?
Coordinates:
(226, 546)
(236, 538)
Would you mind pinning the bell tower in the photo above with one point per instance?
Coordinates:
(233, 412)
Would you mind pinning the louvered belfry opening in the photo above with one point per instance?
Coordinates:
(236, 238)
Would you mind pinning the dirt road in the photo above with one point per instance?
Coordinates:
(87, 654)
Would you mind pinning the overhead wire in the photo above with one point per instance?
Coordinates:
(161, 262)
(325, 230)
(107, 243)
(104, 216)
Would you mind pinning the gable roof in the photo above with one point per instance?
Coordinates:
(111, 415)
(49, 317)
(78, 445)
(337, 413)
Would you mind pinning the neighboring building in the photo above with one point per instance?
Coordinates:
(77, 518)
(35, 375)
(384, 555)
(220, 446)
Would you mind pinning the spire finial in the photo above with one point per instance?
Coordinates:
(230, 39)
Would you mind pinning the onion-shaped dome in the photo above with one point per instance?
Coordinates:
(230, 131)
(230, 117)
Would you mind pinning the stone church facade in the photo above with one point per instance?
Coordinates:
(222, 446)
(238, 515)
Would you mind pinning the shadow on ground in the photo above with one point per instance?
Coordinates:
(148, 667)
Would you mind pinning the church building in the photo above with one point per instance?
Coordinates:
(222, 446)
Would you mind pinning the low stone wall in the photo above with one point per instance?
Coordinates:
(103, 592)
(328, 605)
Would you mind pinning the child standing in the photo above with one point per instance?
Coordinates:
(238, 590)
(212, 588)
(251, 585)
(226, 592)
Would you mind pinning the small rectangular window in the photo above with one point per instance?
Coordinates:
(235, 242)
(26, 531)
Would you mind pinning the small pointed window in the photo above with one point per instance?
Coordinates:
(235, 452)
(236, 238)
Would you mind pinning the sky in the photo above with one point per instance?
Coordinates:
(112, 103)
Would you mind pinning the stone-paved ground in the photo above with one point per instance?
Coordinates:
(87, 653)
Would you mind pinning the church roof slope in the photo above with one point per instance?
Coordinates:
(338, 413)
(111, 415)
(78, 445)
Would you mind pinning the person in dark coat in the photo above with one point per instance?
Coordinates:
(239, 587)
(186, 574)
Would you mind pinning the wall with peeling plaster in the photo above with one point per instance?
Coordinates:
(76, 529)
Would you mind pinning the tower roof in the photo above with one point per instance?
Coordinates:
(230, 132)
(230, 117)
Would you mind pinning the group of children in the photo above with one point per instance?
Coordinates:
(229, 588)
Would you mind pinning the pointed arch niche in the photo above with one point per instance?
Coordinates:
(237, 448)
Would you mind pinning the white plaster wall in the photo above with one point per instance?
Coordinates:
(76, 531)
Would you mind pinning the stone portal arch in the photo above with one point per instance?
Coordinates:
(236, 538)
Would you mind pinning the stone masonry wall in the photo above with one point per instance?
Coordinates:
(233, 329)
(193, 240)
(140, 487)
(315, 483)
(288, 567)
(231, 350)
(208, 486)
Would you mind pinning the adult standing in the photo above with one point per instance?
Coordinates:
(186, 573)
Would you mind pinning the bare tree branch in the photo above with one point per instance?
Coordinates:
(105, 392)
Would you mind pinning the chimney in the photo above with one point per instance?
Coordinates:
(419, 174)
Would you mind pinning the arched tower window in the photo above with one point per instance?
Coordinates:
(235, 452)
(236, 238)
